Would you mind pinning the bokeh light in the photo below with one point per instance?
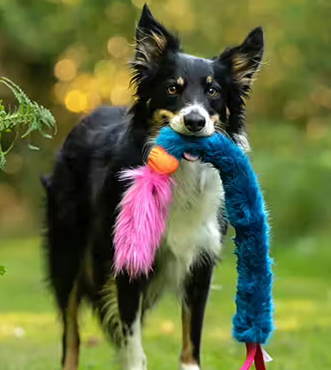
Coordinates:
(76, 101)
(118, 47)
(65, 70)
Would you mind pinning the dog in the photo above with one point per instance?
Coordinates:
(194, 96)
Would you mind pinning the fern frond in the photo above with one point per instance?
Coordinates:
(27, 114)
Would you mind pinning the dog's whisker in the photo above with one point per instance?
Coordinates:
(219, 128)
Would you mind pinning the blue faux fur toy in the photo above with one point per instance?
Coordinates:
(253, 322)
(137, 238)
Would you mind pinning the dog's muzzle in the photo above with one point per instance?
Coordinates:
(193, 120)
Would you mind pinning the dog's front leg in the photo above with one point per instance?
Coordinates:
(120, 315)
(131, 353)
(193, 307)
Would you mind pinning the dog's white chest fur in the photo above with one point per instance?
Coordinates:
(192, 227)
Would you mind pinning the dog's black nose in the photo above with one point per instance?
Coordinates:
(194, 121)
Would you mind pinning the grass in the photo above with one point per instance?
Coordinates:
(30, 333)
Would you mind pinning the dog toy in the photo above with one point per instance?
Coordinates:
(142, 219)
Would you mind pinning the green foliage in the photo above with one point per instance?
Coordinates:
(28, 114)
(2, 270)
(294, 172)
(94, 36)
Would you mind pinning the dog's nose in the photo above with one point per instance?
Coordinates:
(194, 121)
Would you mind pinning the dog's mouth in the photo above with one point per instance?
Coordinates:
(191, 158)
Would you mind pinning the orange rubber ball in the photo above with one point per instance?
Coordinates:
(162, 162)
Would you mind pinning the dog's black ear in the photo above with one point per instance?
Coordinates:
(152, 41)
(245, 60)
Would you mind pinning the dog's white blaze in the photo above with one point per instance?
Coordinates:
(193, 226)
(178, 125)
(132, 356)
(189, 367)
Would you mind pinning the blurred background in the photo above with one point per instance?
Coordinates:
(71, 56)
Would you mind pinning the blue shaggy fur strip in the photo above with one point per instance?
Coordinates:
(253, 321)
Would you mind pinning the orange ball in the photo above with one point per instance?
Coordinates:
(162, 162)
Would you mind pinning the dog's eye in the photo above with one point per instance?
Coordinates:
(212, 92)
(172, 90)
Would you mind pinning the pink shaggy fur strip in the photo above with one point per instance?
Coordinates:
(142, 220)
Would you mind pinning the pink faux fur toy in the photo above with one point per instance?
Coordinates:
(144, 212)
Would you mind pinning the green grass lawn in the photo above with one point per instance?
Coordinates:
(30, 332)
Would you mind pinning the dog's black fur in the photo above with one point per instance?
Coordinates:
(83, 191)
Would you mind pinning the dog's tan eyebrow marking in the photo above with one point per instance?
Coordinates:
(180, 81)
(209, 79)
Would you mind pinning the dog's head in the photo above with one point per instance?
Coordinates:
(195, 96)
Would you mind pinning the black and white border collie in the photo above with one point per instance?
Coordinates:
(195, 96)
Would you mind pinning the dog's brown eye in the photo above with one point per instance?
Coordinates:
(212, 92)
(172, 90)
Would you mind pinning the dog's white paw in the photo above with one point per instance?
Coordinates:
(189, 367)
